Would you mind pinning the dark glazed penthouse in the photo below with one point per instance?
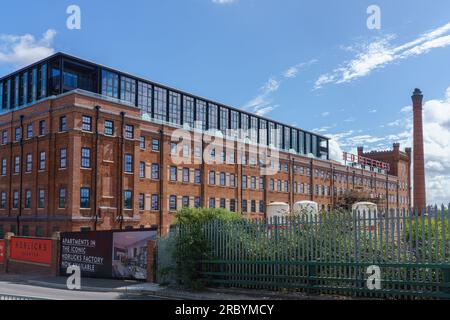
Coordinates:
(62, 73)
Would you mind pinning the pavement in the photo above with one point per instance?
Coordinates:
(108, 289)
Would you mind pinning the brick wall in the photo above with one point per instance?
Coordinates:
(112, 181)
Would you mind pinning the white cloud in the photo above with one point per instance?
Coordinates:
(221, 2)
(436, 118)
(21, 50)
(325, 114)
(262, 104)
(380, 53)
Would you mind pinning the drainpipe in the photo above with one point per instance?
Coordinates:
(120, 170)
(161, 182)
(21, 175)
(96, 135)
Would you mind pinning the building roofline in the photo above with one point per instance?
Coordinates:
(127, 74)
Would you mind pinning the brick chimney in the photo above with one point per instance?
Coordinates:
(420, 201)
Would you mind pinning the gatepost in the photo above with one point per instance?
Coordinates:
(151, 261)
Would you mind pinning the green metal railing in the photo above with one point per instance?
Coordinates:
(330, 254)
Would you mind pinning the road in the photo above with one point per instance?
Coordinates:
(35, 292)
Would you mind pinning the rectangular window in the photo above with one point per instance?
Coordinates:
(223, 203)
(129, 131)
(110, 84)
(186, 175)
(85, 198)
(232, 205)
(261, 184)
(201, 114)
(188, 111)
(222, 179)
(213, 116)
(128, 90)
(173, 174)
(234, 120)
(109, 127)
(142, 143)
(16, 164)
(212, 178)
(62, 198)
(17, 134)
(29, 164)
(232, 180)
(128, 163)
(185, 202)
(62, 124)
(253, 206)
(63, 158)
(4, 167)
(142, 170)
(26, 230)
(224, 119)
(261, 206)
(155, 171)
(212, 203)
(263, 132)
(155, 202)
(30, 131)
(173, 203)
(244, 182)
(141, 202)
(174, 108)
(86, 123)
(145, 98)
(155, 145)
(86, 158)
(5, 137)
(41, 202)
(253, 183)
(42, 128)
(244, 206)
(3, 200)
(28, 199)
(198, 176)
(160, 104)
(43, 81)
(254, 129)
(16, 199)
(128, 199)
(197, 202)
(24, 88)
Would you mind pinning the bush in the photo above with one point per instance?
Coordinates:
(191, 246)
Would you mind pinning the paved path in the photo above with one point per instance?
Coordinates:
(20, 289)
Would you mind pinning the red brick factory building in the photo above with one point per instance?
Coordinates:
(86, 147)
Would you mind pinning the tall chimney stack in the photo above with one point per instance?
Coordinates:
(420, 201)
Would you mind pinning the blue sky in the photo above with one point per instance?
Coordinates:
(313, 64)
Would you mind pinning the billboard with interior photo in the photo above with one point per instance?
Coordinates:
(107, 254)
(130, 254)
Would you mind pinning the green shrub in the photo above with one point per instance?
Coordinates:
(191, 245)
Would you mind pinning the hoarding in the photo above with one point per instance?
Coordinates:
(107, 254)
(2, 251)
(31, 250)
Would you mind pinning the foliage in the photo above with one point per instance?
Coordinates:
(428, 236)
(191, 246)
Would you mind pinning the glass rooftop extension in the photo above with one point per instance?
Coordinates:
(62, 73)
